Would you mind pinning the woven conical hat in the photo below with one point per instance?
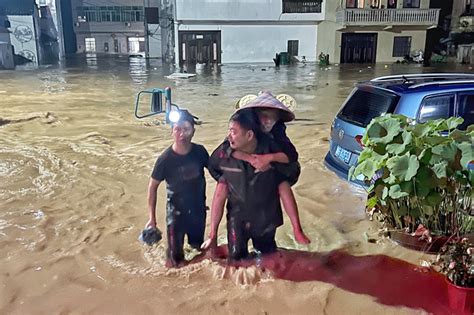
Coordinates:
(267, 100)
(245, 100)
(287, 100)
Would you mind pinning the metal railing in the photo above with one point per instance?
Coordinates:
(387, 16)
(301, 6)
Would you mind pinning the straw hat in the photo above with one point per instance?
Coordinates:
(267, 100)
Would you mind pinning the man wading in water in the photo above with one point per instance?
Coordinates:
(253, 203)
(182, 167)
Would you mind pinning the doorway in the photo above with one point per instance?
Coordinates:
(358, 47)
(199, 47)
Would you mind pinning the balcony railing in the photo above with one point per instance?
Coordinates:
(301, 6)
(388, 16)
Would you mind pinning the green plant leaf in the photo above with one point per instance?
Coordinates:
(396, 192)
(447, 151)
(367, 168)
(434, 198)
(436, 139)
(424, 181)
(425, 156)
(439, 169)
(460, 136)
(453, 122)
(403, 140)
(467, 154)
(421, 130)
(403, 167)
(427, 210)
(383, 130)
(372, 202)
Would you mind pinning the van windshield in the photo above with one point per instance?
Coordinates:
(367, 103)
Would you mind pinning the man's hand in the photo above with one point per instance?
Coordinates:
(301, 238)
(211, 242)
(261, 162)
(151, 223)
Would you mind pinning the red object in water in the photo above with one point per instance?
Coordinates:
(460, 298)
(391, 281)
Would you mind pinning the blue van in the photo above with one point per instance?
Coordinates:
(421, 97)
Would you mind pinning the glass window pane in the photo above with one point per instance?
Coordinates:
(436, 107)
(363, 106)
(466, 110)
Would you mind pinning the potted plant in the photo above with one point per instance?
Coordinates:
(456, 261)
(418, 174)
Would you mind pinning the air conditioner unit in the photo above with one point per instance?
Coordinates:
(128, 24)
(77, 24)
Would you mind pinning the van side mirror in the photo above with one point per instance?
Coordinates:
(158, 100)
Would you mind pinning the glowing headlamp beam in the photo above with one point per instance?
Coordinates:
(174, 116)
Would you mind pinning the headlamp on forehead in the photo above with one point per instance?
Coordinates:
(180, 115)
(174, 116)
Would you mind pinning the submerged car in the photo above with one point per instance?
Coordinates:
(421, 97)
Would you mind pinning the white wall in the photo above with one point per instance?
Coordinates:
(260, 43)
(241, 10)
(23, 36)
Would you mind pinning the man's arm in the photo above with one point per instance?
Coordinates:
(217, 210)
(152, 197)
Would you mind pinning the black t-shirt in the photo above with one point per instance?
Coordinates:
(253, 196)
(185, 182)
(279, 136)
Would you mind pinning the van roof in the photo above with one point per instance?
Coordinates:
(405, 83)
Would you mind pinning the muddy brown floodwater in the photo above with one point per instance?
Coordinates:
(74, 168)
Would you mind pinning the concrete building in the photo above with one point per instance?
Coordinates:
(51, 29)
(369, 31)
(462, 31)
(109, 27)
(229, 31)
(24, 29)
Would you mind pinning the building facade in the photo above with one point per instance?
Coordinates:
(369, 31)
(107, 27)
(462, 31)
(230, 31)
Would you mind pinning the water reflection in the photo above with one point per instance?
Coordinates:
(91, 61)
(138, 70)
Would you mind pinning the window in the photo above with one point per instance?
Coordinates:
(90, 44)
(392, 4)
(136, 44)
(466, 110)
(411, 3)
(365, 104)
(436, 107)
(301, 6)
(111, 14)
(401, 46)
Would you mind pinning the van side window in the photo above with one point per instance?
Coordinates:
(435, 107)
(466, 110)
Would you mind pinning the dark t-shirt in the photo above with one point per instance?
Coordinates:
(279, 136)
(253, 196)
(185, 182)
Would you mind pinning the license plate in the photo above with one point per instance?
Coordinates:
(343, 154)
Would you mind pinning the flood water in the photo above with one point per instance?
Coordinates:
(74, 168)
